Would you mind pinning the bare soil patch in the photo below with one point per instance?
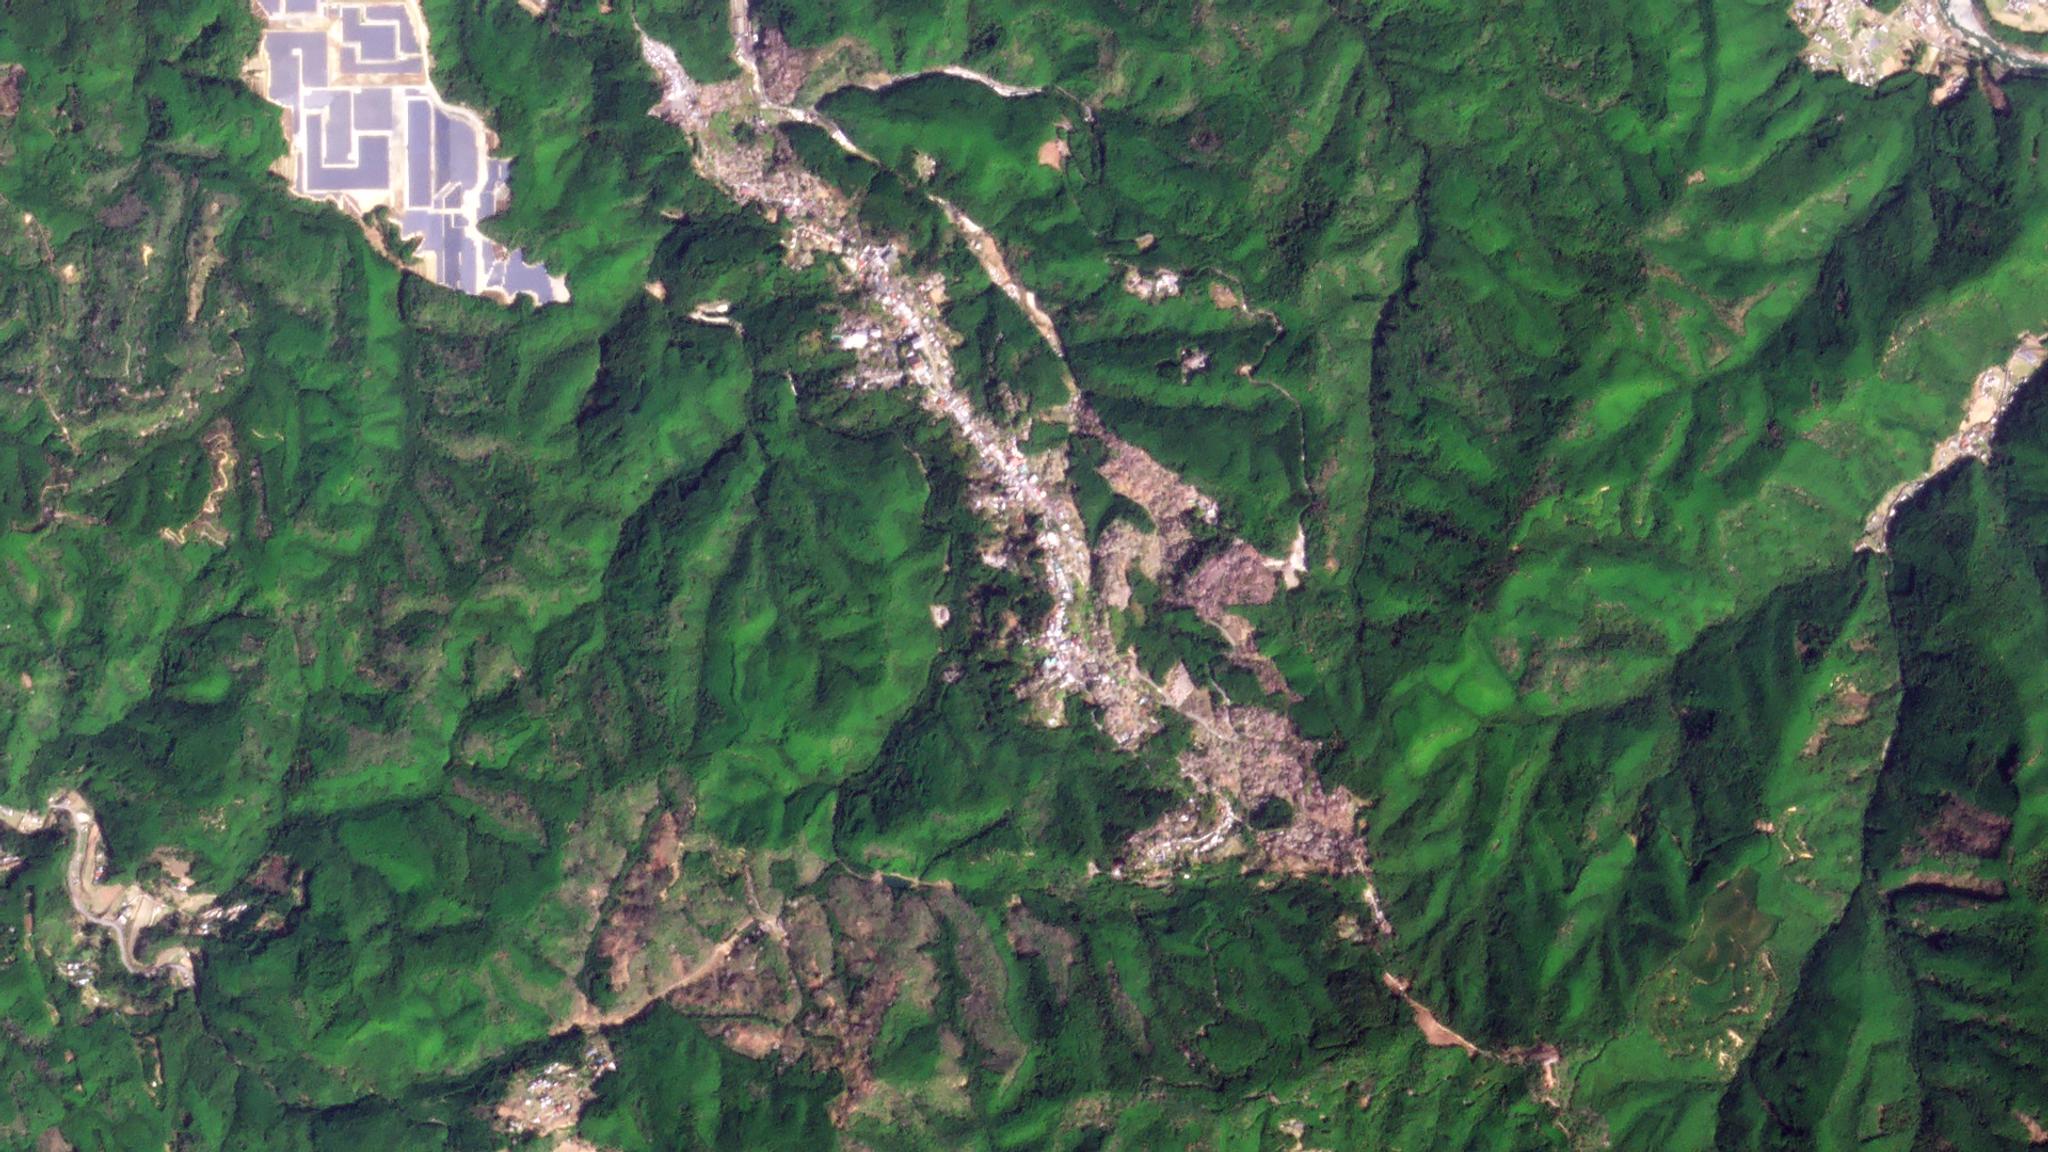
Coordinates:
(1237, 575)
(274, 873)
(126, 213)
(639, 895)
(1434, 1033)
(10, 90)
(1963, 829)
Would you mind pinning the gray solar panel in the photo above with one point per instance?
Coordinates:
(346, 136)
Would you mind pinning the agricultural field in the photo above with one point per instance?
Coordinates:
(1259, 575)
